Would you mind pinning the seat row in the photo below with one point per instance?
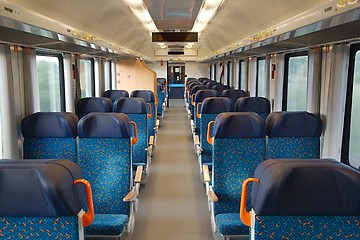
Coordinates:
(107, 148)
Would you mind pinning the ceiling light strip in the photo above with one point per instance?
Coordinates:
(141, 12)
(207, 12)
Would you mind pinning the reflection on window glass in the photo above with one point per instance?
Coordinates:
(297, 83)
(242, 76)
(354, 150)
(49, 83)
(86, 77)
(261, 78)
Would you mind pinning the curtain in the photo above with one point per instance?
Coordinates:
(99, 77)
(7, 105)
(68, 78)
(251, 74)
(113, 75)
(32, 98)
(76, 77)
(277, 84)
(332, 100)
(314, 80)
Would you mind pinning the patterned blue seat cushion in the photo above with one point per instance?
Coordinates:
(139, 155)
(293, 147)
(151, 122)
(107, 224)
(230, 224)
(206, 154)
(50, 148)
(36, 228)
(310, 227)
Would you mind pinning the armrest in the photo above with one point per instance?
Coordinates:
(157, 123)
(192, 124)
(151, 141)
(131, 196)
(212, 196)
(206, 173)
(196, 140)
(138, 174)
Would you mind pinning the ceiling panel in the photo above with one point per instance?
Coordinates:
(173, 14)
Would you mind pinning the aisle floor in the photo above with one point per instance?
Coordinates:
(173, 204)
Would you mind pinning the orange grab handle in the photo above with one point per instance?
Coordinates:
(156, 100)
(192, 99)
(150, 111)
(245, 216)
(198, 115)
(135, 138)
(89, 216)
(208, 137)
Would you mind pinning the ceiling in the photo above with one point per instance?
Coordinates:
(113, 21)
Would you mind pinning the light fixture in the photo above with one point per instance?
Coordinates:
(141, 12)
(207, 11)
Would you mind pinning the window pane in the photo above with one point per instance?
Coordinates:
(354, 151)
(49, 83)
(86, 77)
(242, 76)
(261, 78)
(297, 83)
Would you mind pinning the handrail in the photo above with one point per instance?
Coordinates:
(88, 217)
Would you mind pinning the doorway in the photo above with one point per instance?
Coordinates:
(176, 76)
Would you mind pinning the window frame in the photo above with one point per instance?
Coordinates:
(61, 75)
(92, 74)
(229, 72)
(286, 76)
(345, 147)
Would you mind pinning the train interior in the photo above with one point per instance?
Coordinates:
(192, 119)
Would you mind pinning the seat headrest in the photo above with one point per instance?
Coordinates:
(50, 125)
(202, 94)
(104, 125)
(293, 124)
(130, 106)
(147, 95)
(239, 125)
(197, 88)
(161, 80)
(233, 94)
(192, 84)
(211, 84)
(115, 94)
(40, 188)
(253, 104)
(93, 104)
(289, 187)
(215, 105)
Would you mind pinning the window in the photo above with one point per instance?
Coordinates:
(260, 78)
(295, 82)
(229, 73)
(350, 149)
(87, 83)
(51, 84)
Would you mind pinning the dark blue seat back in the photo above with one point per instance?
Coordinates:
(130, 105)
(115, 94)
(50, 135)
(259, 105)
(93, 104)
(199, 97)
(239, 146)
(293, 135)
(40, 195)
(317, 197)
(233, 94)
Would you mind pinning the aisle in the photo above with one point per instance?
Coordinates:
(173, 204)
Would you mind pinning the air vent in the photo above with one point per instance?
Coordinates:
(175, 47)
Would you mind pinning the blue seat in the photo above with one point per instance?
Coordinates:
(192, 94)
(259, 105)
(104, 155)
(220, 88)
(233, 94)
(138, 111)
(115, 94)
(211, 84)
(50, 135)
(92, 104)
(198, 99)
(149, 97)
(161, 93)
(303, 199)
(188, 86)
(293, 135)
(210, 108)
(40, 199)
(239, 145)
